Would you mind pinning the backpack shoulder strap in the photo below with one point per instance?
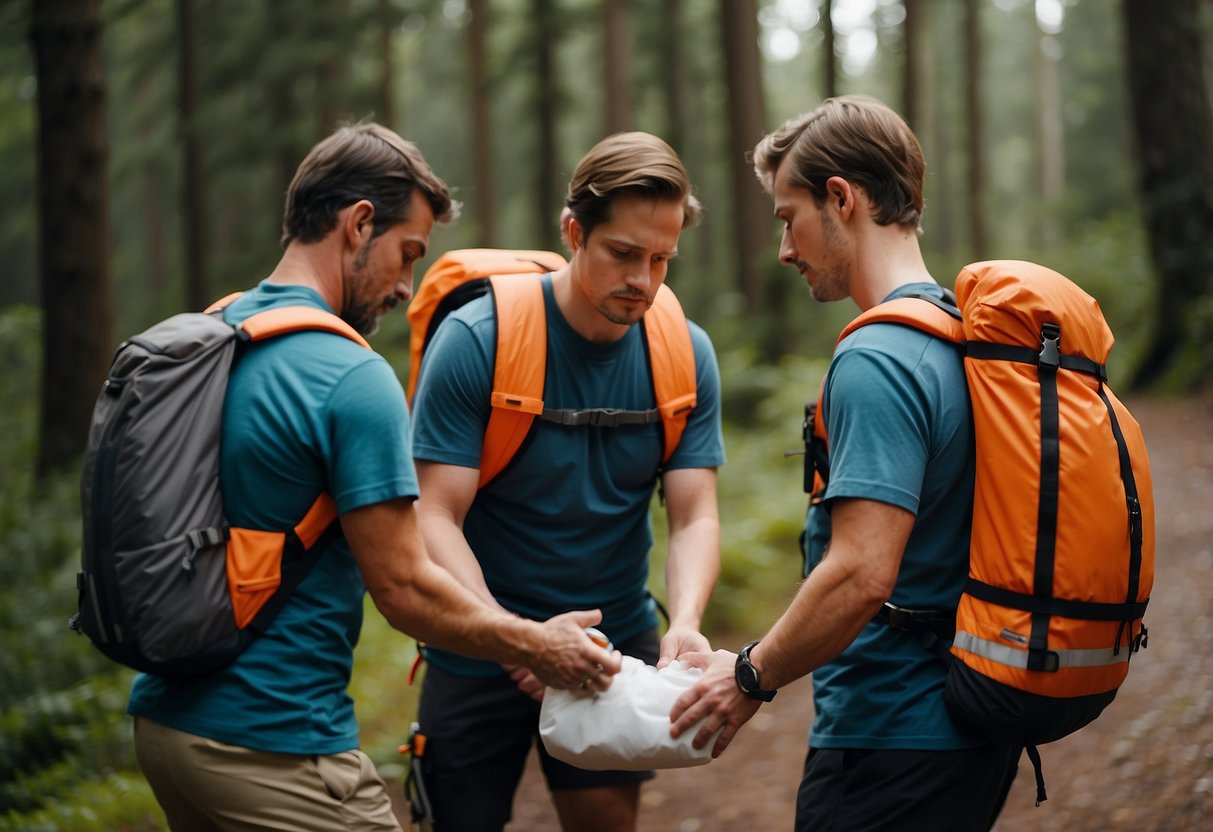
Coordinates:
(521, 366)
(287, 319)
(518, 375)
(920, 312)
(450, 271)
(672, 360)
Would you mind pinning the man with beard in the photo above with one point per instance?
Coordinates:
(271, 741)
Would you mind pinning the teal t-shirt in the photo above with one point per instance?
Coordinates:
(566, 525)
(305, 412)
(899, 423)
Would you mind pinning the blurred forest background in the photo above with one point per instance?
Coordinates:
(145, 147)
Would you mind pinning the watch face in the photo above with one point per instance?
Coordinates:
(747, 677)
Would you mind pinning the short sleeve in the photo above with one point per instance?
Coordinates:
(451, 405)
(879, 437)
(368, 426)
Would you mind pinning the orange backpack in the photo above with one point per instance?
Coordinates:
(1061, 561)
(521, 363)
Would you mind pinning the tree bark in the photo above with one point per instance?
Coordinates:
(747, 118)
(829, 57)
(482, 135)
(1050, 136)
(674, 74)
(193, 187)
(387, 81)
(548, 202)
(616, 66)
(1173, 128)
(73, 224)
(912, 86)
(977, 152)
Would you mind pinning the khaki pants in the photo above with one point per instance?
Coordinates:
(204, 786)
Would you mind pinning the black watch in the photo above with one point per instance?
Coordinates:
(747, 676)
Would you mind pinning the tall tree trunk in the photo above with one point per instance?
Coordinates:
(73, 223)
(387, 82)
(332, 71)
(548, 202)
(1050, 136)
(912, 76)
(829, 57)
(616, 66)
(193, 188)
(279, 90)
(482, 135)
(673, 74)
(747, 118)
(1173, 127)
(977, 151)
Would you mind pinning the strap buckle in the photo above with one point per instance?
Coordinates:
(1050, 347)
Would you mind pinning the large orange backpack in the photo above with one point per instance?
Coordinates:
(1061, 562)
(521, 363)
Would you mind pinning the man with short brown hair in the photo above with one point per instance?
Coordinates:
(271, 741)
(567, 523)
(893, 523)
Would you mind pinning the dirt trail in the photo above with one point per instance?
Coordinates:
(1146, 764)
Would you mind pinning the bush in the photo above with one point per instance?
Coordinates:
(65, 755)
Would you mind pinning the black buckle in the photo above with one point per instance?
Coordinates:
(1050, 347)
(903, 618)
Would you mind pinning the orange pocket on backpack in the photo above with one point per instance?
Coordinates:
(254, 571)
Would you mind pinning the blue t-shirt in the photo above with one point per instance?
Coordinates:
(305, 412)
(566, 525)
(899, 423)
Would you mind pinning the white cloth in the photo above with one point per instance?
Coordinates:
(627, 727)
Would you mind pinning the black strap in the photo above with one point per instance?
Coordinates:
(1133, 504)
(1034, 756)
(934, 629)
(1088, 610)
(600, 417)
(983, 350)
(1048, 361)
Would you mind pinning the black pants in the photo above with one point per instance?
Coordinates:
(856, 790)
(479, 732)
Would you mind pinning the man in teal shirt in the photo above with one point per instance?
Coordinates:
(567, 523)
(271, 741)
(893, 524)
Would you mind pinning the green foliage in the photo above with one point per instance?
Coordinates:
(65, 756)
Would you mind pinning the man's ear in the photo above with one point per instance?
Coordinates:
(574, 234)
(357, 223)
(841, 196)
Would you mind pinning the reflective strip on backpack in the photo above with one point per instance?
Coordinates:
(1012, 657)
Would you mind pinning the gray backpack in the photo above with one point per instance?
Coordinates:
(167, 585)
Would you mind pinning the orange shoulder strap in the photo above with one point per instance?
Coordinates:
(453, 269)
(286, 319)
(521, 366)
(914, 312)
(672, 359)
(522, 345)
(280, 321)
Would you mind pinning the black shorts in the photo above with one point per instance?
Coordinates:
(857, 790)
(479, 732)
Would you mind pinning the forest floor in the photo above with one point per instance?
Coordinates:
(1145, 764)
